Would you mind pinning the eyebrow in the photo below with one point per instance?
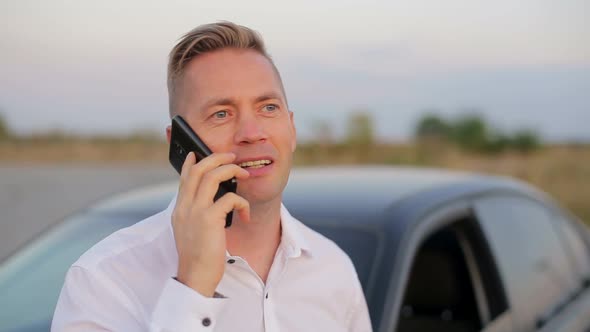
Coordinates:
(267, 96)
(230, 101)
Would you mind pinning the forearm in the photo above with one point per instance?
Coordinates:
(93, 303)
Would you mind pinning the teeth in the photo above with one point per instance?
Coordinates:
(255, 163)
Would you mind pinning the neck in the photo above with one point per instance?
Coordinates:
(260, 237)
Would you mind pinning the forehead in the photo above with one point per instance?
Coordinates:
(228, 73)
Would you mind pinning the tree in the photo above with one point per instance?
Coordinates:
(360, 129)
(498, 142)
(322, 132)
(4, 129)
(431, 126)
(470, 132)
(525, 140)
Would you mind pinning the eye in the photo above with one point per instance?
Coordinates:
(271, 107)
(220, 114)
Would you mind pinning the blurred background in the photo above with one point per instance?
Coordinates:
(499, 87)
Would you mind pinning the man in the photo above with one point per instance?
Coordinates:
(181, 270)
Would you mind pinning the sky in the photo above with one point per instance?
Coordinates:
(99, 67)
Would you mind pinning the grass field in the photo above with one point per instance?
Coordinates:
(562, 171)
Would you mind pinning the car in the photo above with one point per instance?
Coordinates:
(435, 250)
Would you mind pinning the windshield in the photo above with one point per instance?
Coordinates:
(31, 280)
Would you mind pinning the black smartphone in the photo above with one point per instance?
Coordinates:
(184, 140)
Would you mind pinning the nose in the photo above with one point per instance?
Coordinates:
(250, 130)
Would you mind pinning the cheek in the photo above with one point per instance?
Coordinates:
(217, 140)
(287, 141)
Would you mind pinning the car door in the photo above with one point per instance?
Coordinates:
(451, 282)
(574, 315)
(534, 265)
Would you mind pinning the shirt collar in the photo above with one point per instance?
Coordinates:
(292, 237)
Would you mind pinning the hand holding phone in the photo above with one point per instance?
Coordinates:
(197, 219)
(198, 222)
(184, 140)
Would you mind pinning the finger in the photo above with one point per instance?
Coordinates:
(195, 171)
(205, 165)
(186, 165)
(230, 202)
(210, 182)
(215, 159)
(244, 213)
(189, 161)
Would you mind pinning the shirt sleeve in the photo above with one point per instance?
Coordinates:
(180, 308)
(93, 302)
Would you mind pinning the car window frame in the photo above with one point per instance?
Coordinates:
(426, 225)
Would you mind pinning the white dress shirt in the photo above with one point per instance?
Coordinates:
(126, 283)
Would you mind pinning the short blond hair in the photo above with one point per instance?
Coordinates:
(208, 38)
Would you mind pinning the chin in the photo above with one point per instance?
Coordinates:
(260, 190)
(259, 194)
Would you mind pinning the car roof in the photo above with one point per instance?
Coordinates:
(333, 190)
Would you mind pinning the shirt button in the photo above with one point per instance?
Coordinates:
(231, 261)
(206, 321)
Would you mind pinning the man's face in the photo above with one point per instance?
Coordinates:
(233, 100)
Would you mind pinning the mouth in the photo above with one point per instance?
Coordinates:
(252, 164)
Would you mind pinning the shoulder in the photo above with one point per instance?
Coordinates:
(146, 240)
(125, 271)
(325, 251)
(330, 268)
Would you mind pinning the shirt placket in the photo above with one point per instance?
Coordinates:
(269, 303)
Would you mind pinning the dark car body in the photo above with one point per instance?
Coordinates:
(434, 250)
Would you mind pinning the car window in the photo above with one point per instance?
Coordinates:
(439, 295)
(578, 250)
(31, 280)
(531, 259)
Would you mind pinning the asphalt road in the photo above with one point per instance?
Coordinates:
(34, 197)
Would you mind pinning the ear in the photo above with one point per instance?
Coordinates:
(294, 139)
(168, 133)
